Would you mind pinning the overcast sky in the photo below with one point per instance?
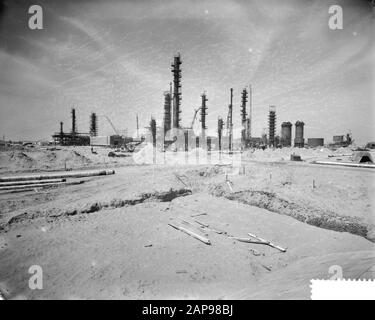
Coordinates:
(113, 58)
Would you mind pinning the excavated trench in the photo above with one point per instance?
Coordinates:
(310, 215)
(163, 196)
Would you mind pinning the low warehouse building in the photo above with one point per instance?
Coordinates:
(315, 142)
(107, 141)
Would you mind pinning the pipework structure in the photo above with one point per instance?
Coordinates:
(244, 119)
(93, 125)
(250, 118)
(74, 125)
(203, 114)
(71, 138)
(153, 137)
(176, 71)
(61, 131)
(271, 126)
(230, 121)
(243, 108)
(220, 125)
(167, 112)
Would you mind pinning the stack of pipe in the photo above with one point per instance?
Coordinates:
(32, 182)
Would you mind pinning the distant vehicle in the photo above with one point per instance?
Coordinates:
(370, 145)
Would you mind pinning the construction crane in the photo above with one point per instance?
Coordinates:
(130, 146)
(111, 123)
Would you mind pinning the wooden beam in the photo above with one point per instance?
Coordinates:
(192, 234)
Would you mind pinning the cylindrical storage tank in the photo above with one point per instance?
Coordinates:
(315, 142)
(299, 140)
(286, 134)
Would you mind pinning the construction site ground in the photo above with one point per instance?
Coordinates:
(110, 238)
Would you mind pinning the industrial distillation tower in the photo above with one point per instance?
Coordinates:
(176, 71)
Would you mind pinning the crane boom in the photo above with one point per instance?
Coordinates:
(195, 116)
(112, 125)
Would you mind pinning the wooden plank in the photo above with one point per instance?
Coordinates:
(203, 225)
(198, 214)
(248, 240)
(192, 225)
(267, 242)
(192, 234)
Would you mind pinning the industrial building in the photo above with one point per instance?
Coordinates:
(172, 131)
(315, 142)
(72, 138)
(107, 141)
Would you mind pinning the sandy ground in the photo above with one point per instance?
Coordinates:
(110, 238)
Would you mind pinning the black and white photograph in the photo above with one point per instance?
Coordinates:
(187, 150)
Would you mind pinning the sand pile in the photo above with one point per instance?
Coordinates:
(35, 160)
(21, 159)
(307, 154)
(62, 158)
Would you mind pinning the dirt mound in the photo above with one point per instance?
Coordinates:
(41, 159)
(20, 159)
(73, 157)
(208, 172)
(310, 215)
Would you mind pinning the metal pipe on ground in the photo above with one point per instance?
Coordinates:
(340, 155)
(78, 174)
(32, 187)
(345, 164)
(17, 183)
